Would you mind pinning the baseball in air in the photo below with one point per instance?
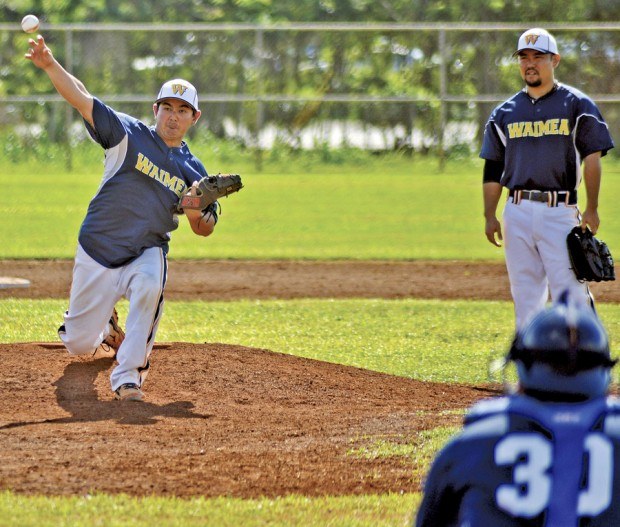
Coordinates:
(30, 23)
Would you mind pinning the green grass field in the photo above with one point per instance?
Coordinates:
(392, 208)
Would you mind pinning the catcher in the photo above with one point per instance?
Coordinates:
(150, 176)
(548, 455)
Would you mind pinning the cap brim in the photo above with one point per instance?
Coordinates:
(178, 99)
(535, 49)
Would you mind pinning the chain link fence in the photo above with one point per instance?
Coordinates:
(417, 87)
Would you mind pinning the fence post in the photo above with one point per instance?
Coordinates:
(68, 109)
(260, 105)
(443, 111)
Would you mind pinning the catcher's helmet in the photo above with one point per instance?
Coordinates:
(564, 350)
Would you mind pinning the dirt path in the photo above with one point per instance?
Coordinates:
(232, 280)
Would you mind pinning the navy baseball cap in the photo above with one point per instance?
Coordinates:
(179, 89)
(538, 39)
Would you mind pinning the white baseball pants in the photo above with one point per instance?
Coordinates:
(95, 290)
(537, 257)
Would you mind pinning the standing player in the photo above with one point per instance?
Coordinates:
(546, 457)
(123, 240)
(534, 144)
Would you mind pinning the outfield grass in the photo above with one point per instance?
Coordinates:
(334, 213)
(383, 208)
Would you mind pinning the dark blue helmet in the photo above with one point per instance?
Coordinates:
(564, 350)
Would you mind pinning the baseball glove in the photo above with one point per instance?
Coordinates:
(209, 190)
(590, 257)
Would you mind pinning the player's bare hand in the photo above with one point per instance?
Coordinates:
(590, 219)
(38, 52)
(492, 229)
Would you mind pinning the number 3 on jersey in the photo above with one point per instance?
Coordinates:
(532, 456)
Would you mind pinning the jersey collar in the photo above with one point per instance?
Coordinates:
(548, 94)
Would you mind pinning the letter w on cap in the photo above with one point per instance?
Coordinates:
(179, 89)
(531, 39)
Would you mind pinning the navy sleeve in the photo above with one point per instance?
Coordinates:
(109, 130)
(493, 147)
(592, 134)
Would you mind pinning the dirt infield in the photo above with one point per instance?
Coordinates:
(222, 419)
(233, 280)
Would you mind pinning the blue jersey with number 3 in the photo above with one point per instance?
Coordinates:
(523, 462)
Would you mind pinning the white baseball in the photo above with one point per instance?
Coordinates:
(30, 23)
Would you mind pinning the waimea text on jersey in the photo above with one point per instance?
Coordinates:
(538, 128)
(146, 166)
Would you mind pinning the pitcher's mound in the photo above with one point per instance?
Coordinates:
(218, 420)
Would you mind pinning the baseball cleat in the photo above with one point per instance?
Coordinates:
(116, 334)
(129, 392)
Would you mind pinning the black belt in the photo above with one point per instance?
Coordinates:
(551, 197)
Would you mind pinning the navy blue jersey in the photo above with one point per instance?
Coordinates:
(135, 206)
(521, 462)
(542, 142)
